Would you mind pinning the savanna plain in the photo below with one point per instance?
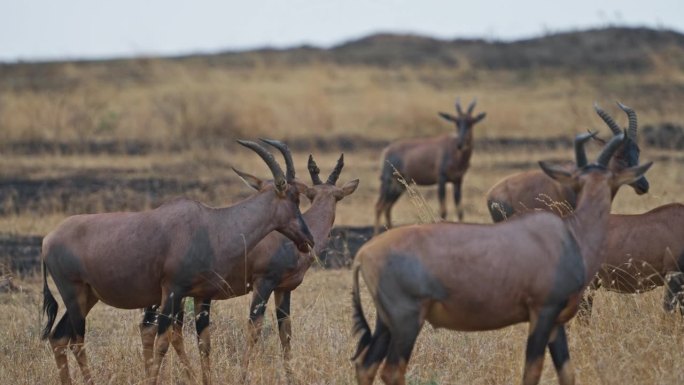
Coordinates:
(128, 135)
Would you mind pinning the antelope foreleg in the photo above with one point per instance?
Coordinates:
(170, 306)
(558, 347)
(262, 292)
(202, 312)
(59, 342)
(457, 199)
(282, 300)
(179, 346)
(541, 325)
(148, 332)
(441, 196)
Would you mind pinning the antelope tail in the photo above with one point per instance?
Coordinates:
(359, 320)
(49, 306)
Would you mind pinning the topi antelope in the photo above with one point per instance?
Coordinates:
(642, 252)
(134, 260)
(442, 273)
(521, 192)
(428, 161)
(273, 266)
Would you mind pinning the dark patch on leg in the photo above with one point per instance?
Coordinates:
(64, 328)
(559, 348)
(457, 198)
(674, 293)
(499, 211)
(202, 318)
(378, 345)
(168, 314)
(283, 309)
(149, 316)
(537, 342)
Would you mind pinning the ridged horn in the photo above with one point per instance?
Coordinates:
(613, 144)
(335, 174)
(458, 106)
(471, 106)
(289, 164)
(278, 176)
(632, 117)
(580, 153)
(314, 171)
(606, 118)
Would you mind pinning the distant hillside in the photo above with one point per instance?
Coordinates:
(609, 49)
(623, 49)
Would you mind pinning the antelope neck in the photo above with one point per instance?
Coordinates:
(248, 221)
(589, 224)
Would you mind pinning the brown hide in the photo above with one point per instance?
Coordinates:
(640, 250)
(126, 258)
(422, 159)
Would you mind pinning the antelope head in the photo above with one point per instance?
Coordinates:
(328, 191)
(599, 171)
(464, 122)
(627, 155)
(287, 217)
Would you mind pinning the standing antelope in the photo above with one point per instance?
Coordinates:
(428, 161)
(273, 266)
(138, 259)
(443, 273)
(642, 252)
(521, 192)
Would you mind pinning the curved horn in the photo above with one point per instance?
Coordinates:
(610, 148)
(631, 115)
(278, 176)
(314, 170)
(335, 174)
(471, 106)
(580, 154)
(289, 164)
(606, 118)
(458, 106)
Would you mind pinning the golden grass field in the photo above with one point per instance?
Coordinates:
(191, 115)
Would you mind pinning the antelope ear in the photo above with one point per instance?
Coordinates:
(302, 188)
(479, 117)
(446, 116)
(250, 180)
(557, 172)
(310, 194)
(632, 174)
(350, 187)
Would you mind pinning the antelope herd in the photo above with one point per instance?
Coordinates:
(542, 259)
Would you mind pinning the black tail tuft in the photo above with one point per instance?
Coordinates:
(359, 320)
(49, 306)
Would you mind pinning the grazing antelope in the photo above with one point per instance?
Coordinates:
(138, 259)
(428, 161)
(642, 252)
(521, 192)
(273, 266)
(444, 273)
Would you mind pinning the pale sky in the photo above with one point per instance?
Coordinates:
(69, 29)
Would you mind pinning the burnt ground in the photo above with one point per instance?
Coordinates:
(116, 189)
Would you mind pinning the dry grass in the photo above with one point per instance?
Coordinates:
(200, 111)
(630, 341)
